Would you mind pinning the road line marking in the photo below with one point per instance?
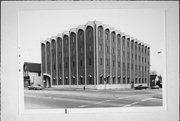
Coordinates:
(107, 100)
(134, 103)
(147, 99)
(102, 102)
(83, 106)
(127, 105)
(132, 96)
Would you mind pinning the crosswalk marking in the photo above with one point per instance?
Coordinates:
(83, 106)
(147, 99)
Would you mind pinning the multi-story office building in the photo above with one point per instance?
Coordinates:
(96, 56)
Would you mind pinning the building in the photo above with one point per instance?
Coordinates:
(96, 56)
(32, 73)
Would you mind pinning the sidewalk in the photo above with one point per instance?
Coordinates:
(59, 92)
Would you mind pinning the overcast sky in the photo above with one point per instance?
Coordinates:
(147, 25)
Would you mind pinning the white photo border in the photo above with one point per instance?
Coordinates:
(164, 112)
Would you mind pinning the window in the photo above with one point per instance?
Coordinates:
(81, 36)
(118, 52)
(128, 66)
(66, 65)
(113, 37)
(119, 64)
(73, 64)
(112, 50)
(132, 66)
(124, 42)
(81, 63)
(124, 54)
(132, 57)
(132, 45)
(101, 61)
(59, 66)
(107, 49)
(100, 47)
(90, 61)
(66, 41)
(81, 50)
(72, 51)
(90, 48)
(106, 36)
(107, 62)
(73, 38)
(89, 33)
(119, 40)
(113, 63)
(54, 67)
(124, 69)
(100, 34)
(65, 52)
(128, 55)
(139, 50)
(139, 68)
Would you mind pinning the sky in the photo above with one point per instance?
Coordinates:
(147, 25)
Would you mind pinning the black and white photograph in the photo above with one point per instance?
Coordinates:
(89, 61)
(92, 58)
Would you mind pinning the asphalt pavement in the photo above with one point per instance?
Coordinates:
(91, 98)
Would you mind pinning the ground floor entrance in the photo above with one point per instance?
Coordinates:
(47, 80)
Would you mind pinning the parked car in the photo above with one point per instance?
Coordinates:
(159, 84)
(35, 87)
(155, 87)
(139, 87)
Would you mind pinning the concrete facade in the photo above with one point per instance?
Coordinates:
(96, 56)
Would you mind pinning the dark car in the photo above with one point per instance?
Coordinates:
(139, 87)
(35, 87)
(159, 84)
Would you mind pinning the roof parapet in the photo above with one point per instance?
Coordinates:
(131, 38)
(112, 29)
(105, 26)
(81, 27)
(53, 38)
(73, 30)
(90, 23)
(48, 40)
(127, 36)
(118, 32)
(98, 23)
(60, 35)
(123, 34)
(43, 42)
(65, 33)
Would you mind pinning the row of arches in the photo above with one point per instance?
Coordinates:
(92, 54)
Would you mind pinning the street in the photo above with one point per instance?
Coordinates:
(91, 98)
